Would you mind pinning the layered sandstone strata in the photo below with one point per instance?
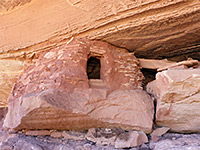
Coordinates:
(55, 92)
(151, 28)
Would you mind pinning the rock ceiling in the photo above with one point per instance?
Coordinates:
(150, 28)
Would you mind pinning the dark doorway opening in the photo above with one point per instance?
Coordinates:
(93, 68)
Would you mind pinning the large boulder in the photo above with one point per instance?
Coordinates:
(178, 99)
(55, 92)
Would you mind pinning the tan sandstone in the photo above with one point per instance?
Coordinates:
(9, 73)
(55, 92)
(178, 99)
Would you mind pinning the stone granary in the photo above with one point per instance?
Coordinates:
(80, 85)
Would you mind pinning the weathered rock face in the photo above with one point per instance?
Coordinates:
(55, 92)
(151, 28)
(9, 73)
(178, 99)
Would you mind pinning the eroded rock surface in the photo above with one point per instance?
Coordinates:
(10, 70)
(178, 99)
(55, 92)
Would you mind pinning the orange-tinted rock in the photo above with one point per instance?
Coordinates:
(178, 99)
(151, 28)
(7, 5)
(55, 92)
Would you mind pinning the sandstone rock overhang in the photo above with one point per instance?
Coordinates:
(55, 93)
(150, 28)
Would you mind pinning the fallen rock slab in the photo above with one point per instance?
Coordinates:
(55, 110)
(178, 99)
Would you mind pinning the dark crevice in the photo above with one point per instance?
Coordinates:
(149, 75)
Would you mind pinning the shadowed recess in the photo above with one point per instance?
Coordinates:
(93, 68)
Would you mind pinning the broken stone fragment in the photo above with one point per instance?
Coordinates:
(130, 139)
(178, 99)
(155, 135)
(55, 92)
(160, 131)
(103, 136)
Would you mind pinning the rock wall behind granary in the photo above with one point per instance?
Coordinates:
(55, 93)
